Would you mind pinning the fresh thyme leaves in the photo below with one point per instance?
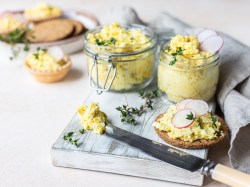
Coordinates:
(128, 114)
(190, 116)
(112, 41)
(149, 95)
(14, 37)
(69, 137)
(214, 119)
(179, 52)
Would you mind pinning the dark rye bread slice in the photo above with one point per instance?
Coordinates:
(197, 144)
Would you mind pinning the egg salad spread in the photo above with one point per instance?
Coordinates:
(186, 72)
(8, 24)
(42, 11)
(92, 118)
(131, 69)
(202, 128)
(43, 61)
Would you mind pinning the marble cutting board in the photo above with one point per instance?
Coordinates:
(100, 153)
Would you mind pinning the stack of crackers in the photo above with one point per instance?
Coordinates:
(54, 30)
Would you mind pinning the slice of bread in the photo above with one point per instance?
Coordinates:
(197, 144)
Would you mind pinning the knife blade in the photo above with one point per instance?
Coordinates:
(179, 158)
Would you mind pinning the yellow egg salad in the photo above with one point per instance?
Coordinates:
(43, 61)
(8, 24)
(116, 36)
(92, 118)
(42, 11)
(186, 72)
(201, 128)
(131, 70)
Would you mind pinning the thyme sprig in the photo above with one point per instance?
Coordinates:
(69, 137)
(128, 113)
(179, 52)
(15, 37)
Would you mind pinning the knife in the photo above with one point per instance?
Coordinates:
(179, 158)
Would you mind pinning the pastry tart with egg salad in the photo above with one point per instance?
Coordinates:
(48, 65)
(189, 66)
(190, 125)
(120, 58)
(41, 12)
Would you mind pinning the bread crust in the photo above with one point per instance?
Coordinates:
(197, 144)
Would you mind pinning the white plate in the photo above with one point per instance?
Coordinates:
(69, 45)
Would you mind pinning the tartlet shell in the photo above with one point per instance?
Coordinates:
(197, 144)
(50, 76)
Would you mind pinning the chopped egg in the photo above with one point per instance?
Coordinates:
(92, 118)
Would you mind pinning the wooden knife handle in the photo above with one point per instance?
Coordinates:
(230, 176)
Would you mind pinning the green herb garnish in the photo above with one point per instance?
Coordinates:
(190, 116)
(214, 119)
(199, 120)
(69, 137)
(128, 114)
(15, 37)
(179, 52)
(112, 41)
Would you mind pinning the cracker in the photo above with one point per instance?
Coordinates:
(79, 27)
(197, 144)
(50, 31)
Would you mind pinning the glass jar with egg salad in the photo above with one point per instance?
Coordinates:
(186, 72)
(120, 58)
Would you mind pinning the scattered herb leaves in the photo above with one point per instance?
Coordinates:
(99, 42)
(179, 52)
(69, 137)
(14, 37)
(128, 114)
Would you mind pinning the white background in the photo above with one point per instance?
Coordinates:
(32, 115)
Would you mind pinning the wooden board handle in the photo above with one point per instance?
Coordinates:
(230, 176)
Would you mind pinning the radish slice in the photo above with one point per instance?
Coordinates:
(212, 44)
(181, 105)
(180, 118)
(56, 53)
(200, 107)
(205, 34)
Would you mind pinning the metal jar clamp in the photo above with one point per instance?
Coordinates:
(95, 85)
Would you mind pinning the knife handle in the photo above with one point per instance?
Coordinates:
(230, 176)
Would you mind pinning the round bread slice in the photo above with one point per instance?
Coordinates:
(49, 31)
(197, 144)
(79, 27)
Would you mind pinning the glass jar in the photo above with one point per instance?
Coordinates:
(185, 79)
(120, 68)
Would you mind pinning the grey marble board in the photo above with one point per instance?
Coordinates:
(100, 153)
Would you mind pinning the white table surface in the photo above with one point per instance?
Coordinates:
(32, 115)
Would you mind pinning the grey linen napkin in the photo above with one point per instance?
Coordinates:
(233, 94)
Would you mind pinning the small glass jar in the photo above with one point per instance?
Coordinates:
(121, 68)
(185, 79)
